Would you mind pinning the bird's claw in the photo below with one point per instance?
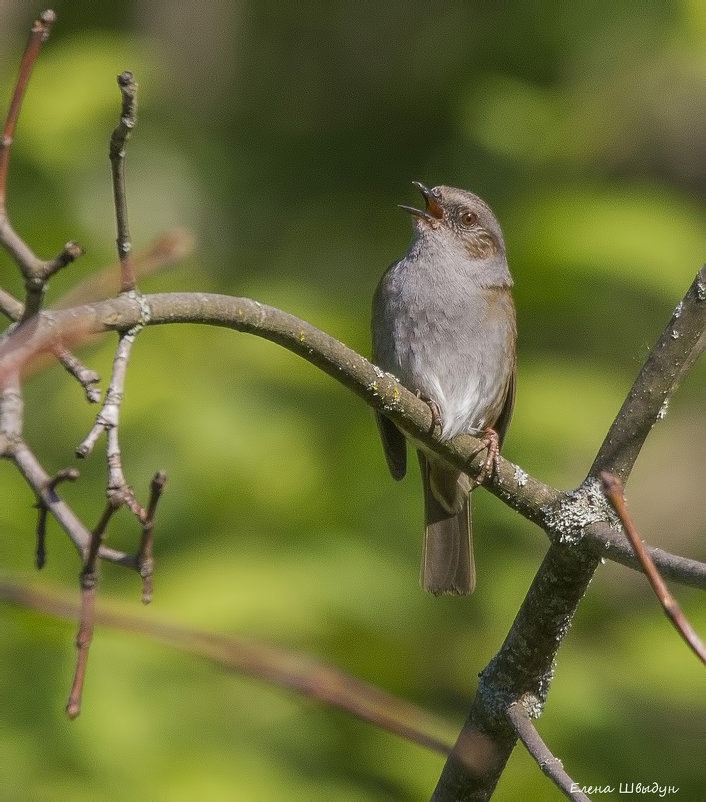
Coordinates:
(433, 408)
(491, 442)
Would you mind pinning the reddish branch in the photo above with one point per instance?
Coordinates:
(35, 271)
(284, 668)
(613, 488)
(89, 582)
(38, 35)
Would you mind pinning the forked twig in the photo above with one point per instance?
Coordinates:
(108, 421)
(613, 489)
(66, 474)
(86, 377)
(89, 584)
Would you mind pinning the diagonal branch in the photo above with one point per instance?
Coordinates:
(522, 670)
(35, 271)
(38, 35)
(9, 305)
(298, 672)
(40, 482)
(677, 349)
(549, 765)
(613, 488)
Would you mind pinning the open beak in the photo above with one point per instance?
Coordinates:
(433, 212)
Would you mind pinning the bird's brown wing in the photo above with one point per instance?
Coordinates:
(394, 445)
(503, 421)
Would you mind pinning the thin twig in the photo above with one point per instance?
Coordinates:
(34, 270)
(89, 583)
(613, 488)
(38, 479)
(108, 419)
(38, 35)
(547, 762)
(68, 254)
(10, 306)
(145, 559)
(118, 490)
(298, 672)
(83, 644)
(118, 142)
(23, 255)
(66, 474)
(86, 377)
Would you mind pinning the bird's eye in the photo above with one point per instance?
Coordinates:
(469, 218)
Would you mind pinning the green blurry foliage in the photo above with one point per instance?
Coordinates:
(284, 137)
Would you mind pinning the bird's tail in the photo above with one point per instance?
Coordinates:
(447, 559)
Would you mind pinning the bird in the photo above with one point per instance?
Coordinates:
(443, 323)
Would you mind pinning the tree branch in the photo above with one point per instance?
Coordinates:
(145, 561)
(300, 673)
(380, 390)
(613, 488)
(66, 474)
(549, 765)
(522, 670)
(40, 482)
(9, 305)
(676, 350)
(118, 142)
(514, 686)
(38, 35)
(35, 271)
(523, 493)
(614, 545)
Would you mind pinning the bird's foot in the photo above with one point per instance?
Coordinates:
(491, 442)
(433, 408)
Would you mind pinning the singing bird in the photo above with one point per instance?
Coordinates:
(443, 323)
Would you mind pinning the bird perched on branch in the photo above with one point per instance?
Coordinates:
(443, 323)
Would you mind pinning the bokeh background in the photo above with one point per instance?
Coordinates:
(283, 135)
